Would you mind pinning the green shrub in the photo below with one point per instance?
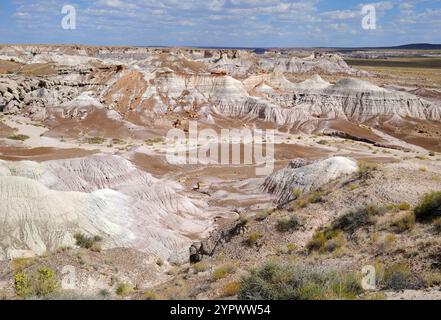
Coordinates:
(87, 242)
(287, 224)
(118, 141)
(151, 142)
(46, 282)
(41, 283)
(429, 207)
(274, 281)
(316, 197)
(19, 137)
(356, 219)
(323, 142)
(324, 241)
(22, 285)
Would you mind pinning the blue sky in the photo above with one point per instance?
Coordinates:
(235, 23)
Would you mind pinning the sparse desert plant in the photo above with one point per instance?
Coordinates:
(124, 289)
(365, 170)
(302, 203)
(296, 193)
(231, 289)
(223, 271)
(253, 239)
(19, 137)
(404, 206)
(275, 281)
(173, 271)
(94, 140)
(386, 242)
(22, 285)
(398, 276)
(324, 241)
(316, 197)
(18, 264)
(46, 282)
(40, 283)
(432, 278)
(118, 141)
(404, 223)
(287, 224)
(263, 215)
(150, 295)
(291, 248)
(429, 207)
(151, 142)
(91, 243)
(358, 218)
(323, 142)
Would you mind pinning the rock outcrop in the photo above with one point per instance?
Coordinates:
(306, 176)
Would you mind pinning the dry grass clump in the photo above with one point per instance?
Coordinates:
(432, 278)
(124, 289)
(200, 266)
(429, 207)
(223, 271)
(40, 283)
(231, 289)
(253, 238)
(361, 217)
(365, 170)
(399, 276)
(405, 222)
(326, 241)
(94, 140)
(287, 224)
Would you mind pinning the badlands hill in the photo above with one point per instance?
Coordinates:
(127, 89)
(83, 156)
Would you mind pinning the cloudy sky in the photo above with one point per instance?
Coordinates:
(223, 23)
